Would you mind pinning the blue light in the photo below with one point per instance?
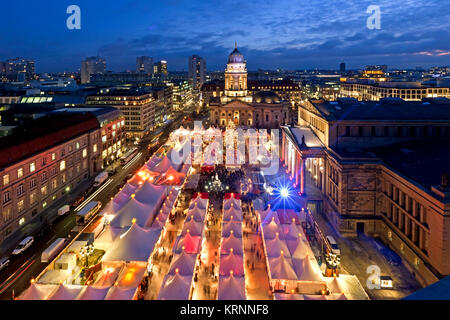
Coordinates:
(284, 192)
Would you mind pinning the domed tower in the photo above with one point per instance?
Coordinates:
(236, 75)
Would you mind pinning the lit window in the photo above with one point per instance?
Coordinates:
(6, 179)
(84, 153)
(20, 173)
(21, 206)
(104, 139)
(95, 148)
(44, 190)
(78, 145)
(62, 165)
(32, 167)
(22, 221)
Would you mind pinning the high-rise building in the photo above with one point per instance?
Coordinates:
(90, 66)
(197, 71)
(2, 67)
(20, 69)
(144, 65)
(160, 68)
(342, 68)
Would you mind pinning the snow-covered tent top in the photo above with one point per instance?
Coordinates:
(227, 204)
(229, 226)
(65, 292)
(232, 243)
(190, 244)
(231, 262)
(134, 209)
(134, 245)
(128, 189)
(37, 292)
(192, 227)
(270, 230)
(184, 263)
(176, 287)
(306, 270)
(276, 247)
(116, 293)
(115, 205)
(291, 232)
(92, 293)
(232, 213)
(151, 194)
(173, 194)
(171, 177)
(232, 288)
(335, 285)
(264, 213)
(299, 249)
(152, 162)
(158, 223)
(281, 268)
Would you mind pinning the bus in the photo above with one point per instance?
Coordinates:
(128, 156)
(88, 212)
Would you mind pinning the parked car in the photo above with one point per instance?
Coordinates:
(4, 262)
(23, 246)
(334, 247)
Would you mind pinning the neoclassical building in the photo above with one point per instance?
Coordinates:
(264, 109)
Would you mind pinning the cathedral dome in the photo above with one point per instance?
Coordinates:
(266, 97)
(236, 56)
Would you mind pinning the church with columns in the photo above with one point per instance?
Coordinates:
(236, 107)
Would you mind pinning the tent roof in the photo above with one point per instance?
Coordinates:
(232, 288)
(150, 194)
(231, 262)
(199, 214)
(271, 216)
(198, 202)
(263, 213)
(176, 287)
(281, 268)
(116, 293)
(291, 232)
(162, 166)
(195, 228)
(93, 293)
(335, 285)
(108, 236)
(299, 249)
(131, 275)
(66, 292)
(134, 209)
(234, 243)
(190, 243)
(135, 245)
(232, 212)
(270, 230)
(306, 270)
(275, 246)
(37, 292)
(229, 226)
(184, 262)
(228, 202)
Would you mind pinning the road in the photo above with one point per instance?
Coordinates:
(22, 269)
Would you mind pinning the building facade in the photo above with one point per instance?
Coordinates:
(42, 164)
(236, 107)
(379, 173)
(144, 65)
(20, 69)
(197, 71)
(90, 66)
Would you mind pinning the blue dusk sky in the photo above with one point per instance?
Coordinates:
(289, 34)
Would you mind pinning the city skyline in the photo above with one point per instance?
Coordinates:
(294, 36)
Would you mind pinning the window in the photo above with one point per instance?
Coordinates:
(6, 197)
(54, 184)
(7, 216)
(62, 165)
(44, 161)
(78, 145)
(20, 173)
(33, 198)
(22, 221)
(20, 205)
(32, 183)
(20, 190)
(6, 179)
(94, 149)
(44, 190)
(84, 153)
(32, 167)
(44, 176)
(53, 156)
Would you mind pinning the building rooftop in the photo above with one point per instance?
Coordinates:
(388, 109)
(44, 133)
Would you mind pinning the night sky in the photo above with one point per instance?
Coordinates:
(290, 34)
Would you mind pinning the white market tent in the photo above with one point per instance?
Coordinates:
(232, 213)
(135, 245)
(184, 263)
(231, 262)
(275, 247)
(307, 270)
(37, 292)
(131, 275)
(299, 249)
(233, 243)
(229, 226)
(197, 213)
(162, 166)
(192, 227)
(116, 293)
(151, 194)
(228, 203)
(232, 288)
(134, 209)
(107, 237)
(65, 292)
(200, 203)
(190, 244)
(92, 293)
(159, 223)
(264, 213)
(291, 232)
(175, 287)
(271, 216)
(281, 268)
(271, 230)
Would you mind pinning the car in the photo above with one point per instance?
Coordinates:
(334, 247)
(4, 262)
(77, 202)
(44, 230)
(23, 246)
(112, 172)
